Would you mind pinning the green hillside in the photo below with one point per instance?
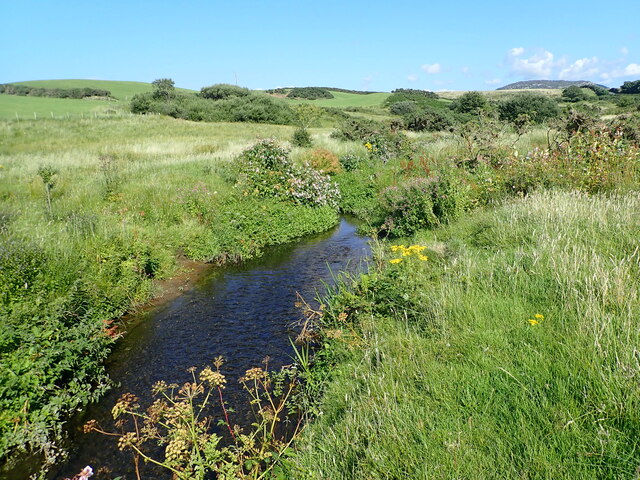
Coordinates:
(12, 106)
(119, 90)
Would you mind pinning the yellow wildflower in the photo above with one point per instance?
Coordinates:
(539, 316)
(395, 260)
(423, 257)
(533, 321)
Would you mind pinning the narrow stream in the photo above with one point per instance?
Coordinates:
(243, 313)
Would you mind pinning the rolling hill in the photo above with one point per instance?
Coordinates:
(547, 84)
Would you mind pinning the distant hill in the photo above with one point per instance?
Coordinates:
(547, 84)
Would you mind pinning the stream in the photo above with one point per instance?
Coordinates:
(243, 312)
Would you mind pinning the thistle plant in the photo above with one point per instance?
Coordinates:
(47, 174)
(179, 421)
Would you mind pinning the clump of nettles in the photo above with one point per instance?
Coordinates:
(265, 170)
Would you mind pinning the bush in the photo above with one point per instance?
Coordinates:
(409, 107)
(574, 94)
(408, 207)
(324, 161)
(256, 108)
(309, 93)
(430, 120)
(381, 142)
(469, 102)
(301, 138)
(538, 107)
(222, 91)
(357, 193)
(420, 203)
(265, 170)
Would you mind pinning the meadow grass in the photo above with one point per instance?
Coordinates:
(448, 375)
(30, 108)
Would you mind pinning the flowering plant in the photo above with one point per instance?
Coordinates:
(266, 170)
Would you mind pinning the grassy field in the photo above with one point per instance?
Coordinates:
(18, 107)
(510, 353)
(23, 108)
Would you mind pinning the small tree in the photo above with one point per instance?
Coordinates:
(307, 115)
(163, 88)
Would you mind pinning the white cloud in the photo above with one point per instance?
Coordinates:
(632, 69)
(580, 69)
(465, 70)
(412, 78)
(538, 65)
(493, 81)
(431, 68)
(624, 51)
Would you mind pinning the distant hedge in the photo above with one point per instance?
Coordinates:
(309, 93)
(25, 90)
(253, 107)
(284, 91)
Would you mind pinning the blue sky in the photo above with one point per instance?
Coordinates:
(372, 45)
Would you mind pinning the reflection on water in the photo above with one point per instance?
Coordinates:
(243, 313)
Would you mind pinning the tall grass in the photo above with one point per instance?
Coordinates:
(448, 378)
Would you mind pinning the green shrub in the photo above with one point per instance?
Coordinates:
(409, 107)
(430, 120)
(301, 138)
(256, 108)
(351, 161)
(538, 107)
(222, 91)
(309, 93)
(408, 207)
(469, 102)
(575, 94)
(265, 170)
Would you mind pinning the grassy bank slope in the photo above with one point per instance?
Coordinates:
(511, 353)
(91, 213)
